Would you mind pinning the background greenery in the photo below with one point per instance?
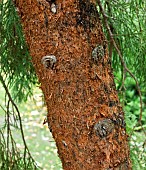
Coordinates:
(37, 135)
(137, 138)
(127, 20)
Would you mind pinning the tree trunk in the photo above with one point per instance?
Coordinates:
(84, 113)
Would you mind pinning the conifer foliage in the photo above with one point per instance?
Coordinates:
(15, 60)
(16, 74)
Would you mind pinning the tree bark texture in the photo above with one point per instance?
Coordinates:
(84, 113)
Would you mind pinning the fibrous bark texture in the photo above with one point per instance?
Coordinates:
(84, 114)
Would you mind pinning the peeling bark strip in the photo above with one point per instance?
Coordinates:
(84, 113)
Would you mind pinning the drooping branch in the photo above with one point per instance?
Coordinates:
(9, 134)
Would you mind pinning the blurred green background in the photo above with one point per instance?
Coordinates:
(37, 135)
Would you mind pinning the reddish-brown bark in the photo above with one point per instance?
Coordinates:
(84, 113)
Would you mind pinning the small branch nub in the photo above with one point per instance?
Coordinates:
(49, 61)
(103, 127)
(98, 53)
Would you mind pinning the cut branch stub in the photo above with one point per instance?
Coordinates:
(98, 53)
(103, 128)
(49, 61)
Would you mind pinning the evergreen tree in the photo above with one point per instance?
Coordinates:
(70, 55)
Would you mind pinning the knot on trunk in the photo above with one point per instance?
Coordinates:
(104, 127)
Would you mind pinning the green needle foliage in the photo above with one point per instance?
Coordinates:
(127, 21)
(16, 74)
(14, 55)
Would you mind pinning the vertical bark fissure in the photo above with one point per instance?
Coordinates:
(84, 113)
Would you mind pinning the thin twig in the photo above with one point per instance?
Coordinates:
(8, 131)
(26, 150)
